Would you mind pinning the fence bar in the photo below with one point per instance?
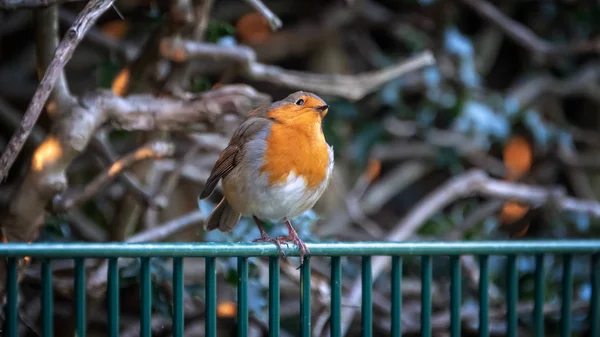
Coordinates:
(396, 296)
(455, 296)
(12, 298)
(242, 309)
(178, 315)
(113, 297)
(47, 299)
(227, 249)
(367, 297)
(146, 298)
(210, 288)
(305, 298)
(483, 296)
(274, 296)
(595, 299)
(567, 295)
(538, 304)
(426, 296)
(335, 319)
(80, 297)
(512, 292)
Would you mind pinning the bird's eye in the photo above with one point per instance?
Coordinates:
(300, 102)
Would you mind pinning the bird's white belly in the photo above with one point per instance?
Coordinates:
(255, 197)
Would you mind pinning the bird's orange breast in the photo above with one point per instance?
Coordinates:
(299, 147)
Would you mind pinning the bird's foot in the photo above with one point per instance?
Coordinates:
(295, 239)
(264, 237)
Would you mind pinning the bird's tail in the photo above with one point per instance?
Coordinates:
(222, 217)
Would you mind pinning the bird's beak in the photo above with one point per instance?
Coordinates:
(323, 109)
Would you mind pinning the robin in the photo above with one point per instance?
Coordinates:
(275, 167)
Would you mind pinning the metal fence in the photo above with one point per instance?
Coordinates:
(212, 251)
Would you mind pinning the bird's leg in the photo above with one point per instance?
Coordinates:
(264, 237)
(293, 237)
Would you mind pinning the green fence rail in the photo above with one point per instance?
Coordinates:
(211, 251)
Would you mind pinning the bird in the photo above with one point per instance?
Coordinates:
(275, 167)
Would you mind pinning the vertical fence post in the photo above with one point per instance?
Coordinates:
(483, 296)
(242, 310)
(396, 296)
(512, 292)
(426, 295)
(274, 296)
(335, 319)
(594, 318)
(305, 298)
(178, 313)
(367, 301)
(113, 297)
(210, 329)
(80, 297)
(538, 305)
(567, 295)
(47, 299)
(146, 298)
(12, 300)
(455, 296)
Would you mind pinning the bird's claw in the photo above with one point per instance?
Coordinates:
(276, 241)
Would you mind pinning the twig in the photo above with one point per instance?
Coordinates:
(474, 182)
(352, 87)
(260, 7)
(525, 37)
(101, 144)
(68, 200)
(74, 35)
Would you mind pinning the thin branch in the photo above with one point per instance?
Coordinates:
(74, 35)
(101, 144)
(259, 6)
(474, 182)
(68, 200)
(525, 37)
(352, 87)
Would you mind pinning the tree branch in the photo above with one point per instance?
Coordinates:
(525, 37)
(68, 200)
(74, 35)
(352, 87)
(259, 6)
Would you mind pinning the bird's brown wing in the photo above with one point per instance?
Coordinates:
(233, 153)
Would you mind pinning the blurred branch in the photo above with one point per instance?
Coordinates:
(527, 38)
(101, 144)
(260, 7)
(85, 19)
(352, 87)
(14, 4)
(470, 183)
(68, 200)
(97, 281)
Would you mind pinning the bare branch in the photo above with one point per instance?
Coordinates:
(525, 37)
(260, 7)
(74, 35)
(68, 200)
(352, 87)
(474, 182)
